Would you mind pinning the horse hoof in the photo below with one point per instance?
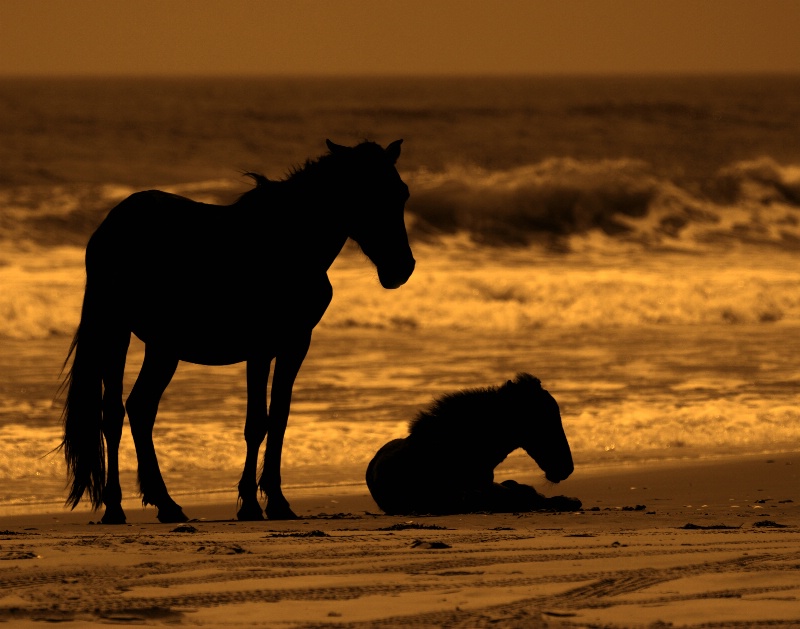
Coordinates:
(113, 515)
(282, 512)
(250, 514)
(171, 515)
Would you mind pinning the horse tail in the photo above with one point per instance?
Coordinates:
(83, 444)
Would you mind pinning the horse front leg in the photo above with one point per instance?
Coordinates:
(142, 405)
(287, 365)
(255, 429)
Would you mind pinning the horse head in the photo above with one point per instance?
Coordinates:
(376, 197)
(541, 436)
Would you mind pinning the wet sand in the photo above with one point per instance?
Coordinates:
(690, 543)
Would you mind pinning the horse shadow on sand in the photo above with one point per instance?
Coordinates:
(446, 463)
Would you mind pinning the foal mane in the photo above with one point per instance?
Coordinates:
(472, 408)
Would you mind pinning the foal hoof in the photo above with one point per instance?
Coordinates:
(113, 515)
(563, 503)
(250, 513)
(171, 515)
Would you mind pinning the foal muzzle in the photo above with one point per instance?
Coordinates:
(562, 473)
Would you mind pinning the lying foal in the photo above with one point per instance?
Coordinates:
(446, 464)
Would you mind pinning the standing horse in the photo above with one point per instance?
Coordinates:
(219, 285)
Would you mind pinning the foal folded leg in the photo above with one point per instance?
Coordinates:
(157, 371)
(519, 497)
(255, 429)
(287, 365)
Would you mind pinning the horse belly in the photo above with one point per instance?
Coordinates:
(188, 350)
(201, 340)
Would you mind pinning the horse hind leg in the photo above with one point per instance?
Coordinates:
(255, 430)
(142, 405)
(114, 355)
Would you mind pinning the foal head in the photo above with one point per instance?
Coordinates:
(376, 198)
(538, 420)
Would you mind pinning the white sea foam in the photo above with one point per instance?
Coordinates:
(460, 286)
(41, 292)
(520, 290)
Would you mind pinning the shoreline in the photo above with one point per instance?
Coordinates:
(711, 543)
(599, 484)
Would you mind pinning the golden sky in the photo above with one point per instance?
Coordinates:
(200, 37)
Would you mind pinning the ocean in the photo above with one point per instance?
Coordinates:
(633, 242)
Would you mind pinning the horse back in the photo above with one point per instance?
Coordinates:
(165, 223)
(210, 281)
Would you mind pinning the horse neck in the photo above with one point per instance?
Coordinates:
(321, 232)
(307, 226)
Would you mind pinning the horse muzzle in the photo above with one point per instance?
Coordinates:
(395, 276)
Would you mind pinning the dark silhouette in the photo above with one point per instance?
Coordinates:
(446, 464)
(219, 285)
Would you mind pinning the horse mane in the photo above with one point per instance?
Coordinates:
(311, 168)
(258, 191)
(324, 163)
(470, 409)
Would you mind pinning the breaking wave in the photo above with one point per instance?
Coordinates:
(754, 202)
(559, 243)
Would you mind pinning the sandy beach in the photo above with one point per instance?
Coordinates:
(683, 543)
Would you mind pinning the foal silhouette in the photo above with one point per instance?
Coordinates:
(446, 464)
(219, 285)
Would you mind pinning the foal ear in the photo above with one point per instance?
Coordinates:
(336, 149)
(393, 150)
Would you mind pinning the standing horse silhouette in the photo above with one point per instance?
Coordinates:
(219, 285)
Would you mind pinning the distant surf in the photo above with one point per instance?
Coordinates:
(752, 202)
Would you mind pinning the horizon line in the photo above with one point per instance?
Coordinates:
(403, 75)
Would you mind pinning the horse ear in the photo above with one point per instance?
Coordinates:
(336, 148)
(506, 389)
(393, 150)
